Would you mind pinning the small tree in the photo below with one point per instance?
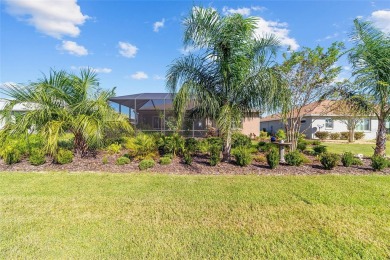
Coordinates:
(308, 75)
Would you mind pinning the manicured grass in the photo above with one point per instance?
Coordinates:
(62, 215)
(366, 149)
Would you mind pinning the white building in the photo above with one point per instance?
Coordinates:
(19, 108)
(316, 117)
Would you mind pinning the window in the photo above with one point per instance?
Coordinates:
(156, 122)
(303, 121)
(329, 123)
(364, 125)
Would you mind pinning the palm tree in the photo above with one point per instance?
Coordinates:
(371, 65)
(230, 77)
(61, 103)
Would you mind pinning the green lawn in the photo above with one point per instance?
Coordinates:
(87, 215)
(364, 148)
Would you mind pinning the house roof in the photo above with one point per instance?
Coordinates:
(319, 108)
(138, 101)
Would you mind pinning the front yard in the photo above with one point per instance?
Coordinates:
(91, 215)
(359, 147)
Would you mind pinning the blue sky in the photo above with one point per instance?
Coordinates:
(131, 43)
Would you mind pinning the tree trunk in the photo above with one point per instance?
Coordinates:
(351, 137)
(380, 148)
(227, 147)
(80, 145)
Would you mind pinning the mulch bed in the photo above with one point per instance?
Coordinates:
(200, 166)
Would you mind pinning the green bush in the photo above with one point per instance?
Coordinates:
(37, 157)
(280, 134)
(316, 142)
(203, 146)
(239, 139)
(344, 135)
(357, 161)
(215, 141)
(114, 148)
(165, 160)
(358, 135)
(187, 157)
(329, 160)
(66, 141)
(302, 145)
(142, 146)
(294, 158)
(191, 145)
(242, 155)
(171, 144)
(334, 136)
(11, 155)
(105, 160)
(322, 135)
(122, 160)
(266, 147)
(319, 149)
(215, 152)
(378, 163)
(64, 156)
(347, 159)
(263, 135)
(146, 164)
(273, 158)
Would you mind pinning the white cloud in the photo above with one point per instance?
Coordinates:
(127, 50)
(347, 68)
(277, 29)
(328, 37)
(73, 48)
(381, 19)
(53, 18)
(187, 50)
(139, 75)
(157, 25)
(97, 70)
(244, 11)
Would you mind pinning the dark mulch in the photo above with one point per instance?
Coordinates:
(200, 165)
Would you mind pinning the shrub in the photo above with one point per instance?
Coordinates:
(187, 157)
(215, 141)
(322, 135)
(64, 156)
(260, 158)
(165, 160)
(302, 145)
(105, 160)
(357, 161)
(319, 149)
(280, 134)
(66, 142)
(203, 146)
(239, 139)
(263, 135)
(142, 146)
(294, 158)
(273, 158)
(344, 135)
(11, 155)
(358, 135)
(37, 157)
(146, 164)
(347, 159)
(242, 155)
(191, 144)
(122, 160)
(316, 142)
(329, 160)
(267, 147)
(334, 136)
(215, 152)
(114, 148)
(378, 163)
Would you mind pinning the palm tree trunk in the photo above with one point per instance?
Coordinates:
(80, 144)
(227, 147)
(380, 148)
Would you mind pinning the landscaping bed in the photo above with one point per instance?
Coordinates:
(200, 165)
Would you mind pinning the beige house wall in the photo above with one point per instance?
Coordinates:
(251, 126)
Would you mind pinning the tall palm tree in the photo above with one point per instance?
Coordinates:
(61, 103)
(230, 77)
(371, 65)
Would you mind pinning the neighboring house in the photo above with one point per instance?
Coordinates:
(319, 117)
(154, 112)
(20, 108)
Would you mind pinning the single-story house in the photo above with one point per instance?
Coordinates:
(19, 108)
(319, 116)
(154, 112)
